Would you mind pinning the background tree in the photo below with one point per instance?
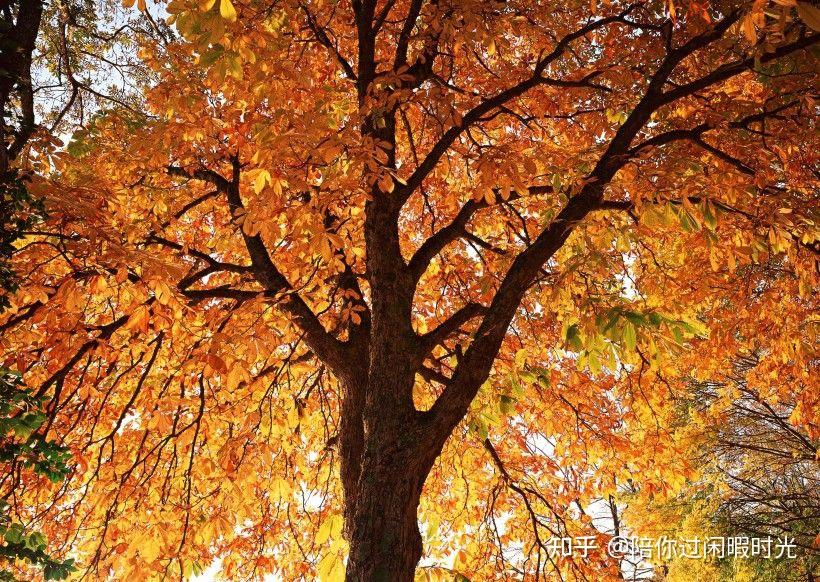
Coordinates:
(60, 62)
(758, 479)
(20, 25)
(334, 235)
(44, 49)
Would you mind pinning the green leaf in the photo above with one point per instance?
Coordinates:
(709, 218)
(594, 363)
(14, 534)
(479, 427)
(677, 334)
(506, 404)
(635, 318)
(208, 58)
(630, 336)
(573, 337)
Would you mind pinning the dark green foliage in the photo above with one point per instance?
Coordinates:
(18, 213)
(23, 448)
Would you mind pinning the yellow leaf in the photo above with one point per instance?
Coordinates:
(386, 184)
(277, 186)
(227, 10)
(138, 321)
(237, 375)
(149, 549)
(262, 178)
(293, 418)
(331, 568)
(97, 286)
(281, 489)
(331, 528)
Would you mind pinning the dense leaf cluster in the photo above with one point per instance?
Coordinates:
(23, 449)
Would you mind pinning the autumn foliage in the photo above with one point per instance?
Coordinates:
(509, 271)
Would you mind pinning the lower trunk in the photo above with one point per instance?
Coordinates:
(385, 543)
(396, 451)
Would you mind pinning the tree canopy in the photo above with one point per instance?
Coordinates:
(325, 288)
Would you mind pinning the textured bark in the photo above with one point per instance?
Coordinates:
(382, 524)
(351, 447)
(390, 459)
(385, 543)
(16, 49)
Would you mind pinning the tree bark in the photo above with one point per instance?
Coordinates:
(381, 521)
(16, 51)
(385, 544)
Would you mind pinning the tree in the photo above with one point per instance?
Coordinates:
(50, 58)
(757, 503)
(20, 26)
(19, 33)
(758, 478)
(339, 234)
(25, 455)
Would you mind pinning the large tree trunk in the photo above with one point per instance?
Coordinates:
(381, 522)
(385, 543)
